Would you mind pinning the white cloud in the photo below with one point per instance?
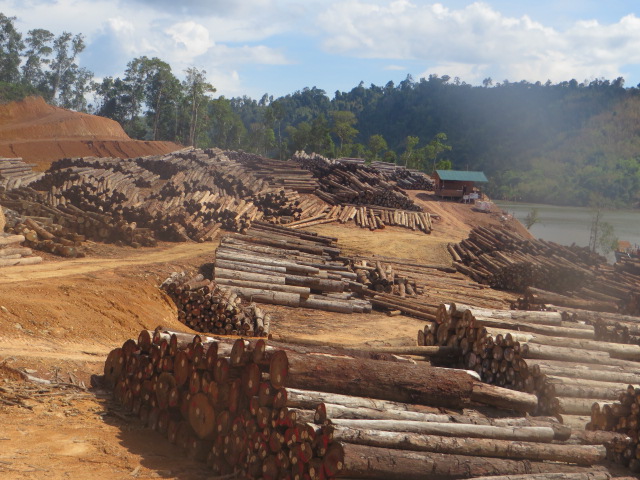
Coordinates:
(478, 41)
(189, 38)
(395, 67)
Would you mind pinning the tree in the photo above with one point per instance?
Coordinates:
(342, 124)
(226, 129)
(74, 88)
(275, 114)
(409, 155)
(162, 93)
(532, 218)
(37, 55)
(602, 237)
(111, 93)
(433, 149)
(10, 47)
(63, 70)
(377, 145)
(197, 91)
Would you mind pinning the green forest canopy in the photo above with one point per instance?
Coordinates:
(562, 143)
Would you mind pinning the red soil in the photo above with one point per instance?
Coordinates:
(40, 133)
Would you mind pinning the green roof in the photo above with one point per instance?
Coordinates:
(461, 176)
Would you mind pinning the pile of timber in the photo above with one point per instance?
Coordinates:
(406, 178)
(621, 416)
(68, 223)
(609, 327)
(371, 217)
(205, 307)
(277, 265)
(12, 251)
(351, 183)
(14, 173)
(432, 285)
(186, 195)
(375, 217)
(40, 233)
(279, 412)
(628, 264)
(381, 278)
(537, 352)
(279, 173)
(570, 276)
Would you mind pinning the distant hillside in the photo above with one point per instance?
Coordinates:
(41, 133)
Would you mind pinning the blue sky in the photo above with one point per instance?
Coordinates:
(252, 47)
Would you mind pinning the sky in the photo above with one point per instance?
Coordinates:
(277, 47)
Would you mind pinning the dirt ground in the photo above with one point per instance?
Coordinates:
(59, 320)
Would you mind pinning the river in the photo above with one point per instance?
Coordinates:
(567, 225)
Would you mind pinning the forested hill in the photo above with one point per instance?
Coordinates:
(564, 143)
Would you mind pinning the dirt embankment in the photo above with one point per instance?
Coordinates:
(41, 133)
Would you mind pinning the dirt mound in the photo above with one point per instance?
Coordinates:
(41, 133)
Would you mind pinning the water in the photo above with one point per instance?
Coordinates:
(567, 225)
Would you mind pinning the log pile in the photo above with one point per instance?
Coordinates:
(12, 251)
(351, 183)
(68, 223)
(187, 195)
(570, 276)
(15, 173)
(259, 411)
(205, 307)
(279, 173)
(536, 352)
(621, 416)
(277, 265)
(371, 217)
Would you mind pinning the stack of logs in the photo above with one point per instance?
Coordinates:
(406, 178)
(621, 416)
(188, 195)
(207, 308)
(352, 183)
(14, 173)
(277, 265)
(279, 173)
(68, 223)
(536, 352)
(257, 411)
(571, 276)
(373, 218)
(13, 253)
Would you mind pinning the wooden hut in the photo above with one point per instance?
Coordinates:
(457, 183)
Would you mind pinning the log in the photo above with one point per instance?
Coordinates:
(503, 398)
(370, 378)
(553, 476)
(479, 447)
(11, 239)
(310, 399)
(359, 461)
(518, 433)
(410, 384)
(21, 261)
